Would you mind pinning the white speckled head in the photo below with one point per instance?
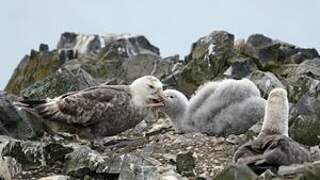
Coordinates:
(276, 113)
(145, 89)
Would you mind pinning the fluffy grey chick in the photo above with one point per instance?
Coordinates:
(197, 100)
(232, 108)
(237, 118)
(175, 106)
(218, 108)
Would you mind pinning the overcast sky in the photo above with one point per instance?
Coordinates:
(171, 25)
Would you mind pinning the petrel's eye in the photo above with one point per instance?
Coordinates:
(151, 87)
(171, 97)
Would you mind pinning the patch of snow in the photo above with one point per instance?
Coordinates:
(206, 60)
(82, 43)
(121, 49)
(211, 49)
(228, 72)
(102, 42)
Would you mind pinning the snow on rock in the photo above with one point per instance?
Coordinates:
(130, 45)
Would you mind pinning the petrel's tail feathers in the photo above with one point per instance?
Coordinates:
(31, 103)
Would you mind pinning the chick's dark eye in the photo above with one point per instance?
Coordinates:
(151, 87)
(171, 97)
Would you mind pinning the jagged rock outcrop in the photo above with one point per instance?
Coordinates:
(123, 67)
(207, 59)
(270, 53)
(60, 82)
(123, 44)
(265, 81)
(32, 68)
(240, 68)
(305, 121)
(121, 57)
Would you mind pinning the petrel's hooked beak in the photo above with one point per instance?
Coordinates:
(158, 101)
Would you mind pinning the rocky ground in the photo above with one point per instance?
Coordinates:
(153, 150)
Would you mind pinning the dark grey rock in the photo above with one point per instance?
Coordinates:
(207, 60)
(43, 48)
(298, 55)
(185, 164)
(304, 114)
(54, 152)
(9, 117)
(60, 82)
(308, 53)
(266, 52)
(259, 40)
(240, 69)
(82, 161)
(236, 172)
(131, 168)
(310, 68)
(268, 57)
(14, 122)
(218, 43)
(265, 81)
(270, 54)
(141, 41)
(141, 167)
(67, 40)
(299, 86)
(31, 126)
(141, 65)
(66, 55)
(301, 78)
(304, 121)
(126, 45)
(28, 153)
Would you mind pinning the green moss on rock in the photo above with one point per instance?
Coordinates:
(305, 129)
(31, 69)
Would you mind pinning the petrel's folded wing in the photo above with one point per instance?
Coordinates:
(84, 107)
(270, 152)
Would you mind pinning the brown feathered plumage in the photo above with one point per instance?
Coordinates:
(270, 152)
(102, 110)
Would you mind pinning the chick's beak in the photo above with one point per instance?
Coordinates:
(162, 96)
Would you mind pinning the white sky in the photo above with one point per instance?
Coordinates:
(171, 25)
